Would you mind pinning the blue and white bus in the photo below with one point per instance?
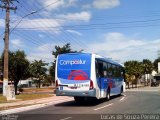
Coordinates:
(83, 75)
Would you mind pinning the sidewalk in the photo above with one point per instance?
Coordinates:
(145, 88)
(19, 106)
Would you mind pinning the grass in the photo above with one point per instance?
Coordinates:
(32, 96)
(28, 94)
(48, 89)
(22, 97)
(2, 99)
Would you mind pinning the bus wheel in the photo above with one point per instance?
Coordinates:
(108, 94)
(79, 99)
(121, 91)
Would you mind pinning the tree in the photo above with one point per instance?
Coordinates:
(134, 68)
(148, 66)
(47, 81)
(155, 63)
(52, 71)
(129, 78)
(38, 70)
(1, 68)
(18, 67)
(60, 50)
(64, 49)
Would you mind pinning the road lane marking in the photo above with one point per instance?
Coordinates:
(104, 106)
(122, 98)
(124, 95)
(66, 118)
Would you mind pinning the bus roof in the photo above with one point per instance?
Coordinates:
(98, 57)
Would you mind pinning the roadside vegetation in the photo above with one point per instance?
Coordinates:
(23, 97)
(135, 69)
(21, 68)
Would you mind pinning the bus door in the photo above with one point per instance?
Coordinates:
(100, 77)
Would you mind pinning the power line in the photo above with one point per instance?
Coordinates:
(92, 25)
(44, 27)
(21, 20)
(47, 6)
(33, 13)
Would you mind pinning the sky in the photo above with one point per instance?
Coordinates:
(119, 29)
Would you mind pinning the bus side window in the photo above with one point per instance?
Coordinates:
(105, 69)
(97, 72)
(109, 70)
(118, 72)
(114, 70)
(100, 69)
(122, 70)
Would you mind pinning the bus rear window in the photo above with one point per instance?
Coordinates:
(74, 66)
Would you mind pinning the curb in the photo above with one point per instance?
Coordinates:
(32, 107)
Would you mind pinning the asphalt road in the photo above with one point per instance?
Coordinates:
(119, 107)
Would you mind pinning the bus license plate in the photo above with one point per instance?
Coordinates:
(61, 87)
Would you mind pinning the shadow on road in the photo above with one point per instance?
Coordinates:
(85, 103)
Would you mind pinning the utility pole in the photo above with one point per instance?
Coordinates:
(6, 6)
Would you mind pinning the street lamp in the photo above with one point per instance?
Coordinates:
(22, 19)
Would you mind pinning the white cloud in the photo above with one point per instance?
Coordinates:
(82, 16)
(17, 43)
(55, 4)
(42, 52)
(46, 13)
(70, 3)
(120, 47)
(47, 57)
(53, 25)
(41, 24)
(105, 4)
(74, 32)
(48, 47)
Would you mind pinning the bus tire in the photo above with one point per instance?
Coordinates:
(78, 99)
(121, 90)
(108, 94)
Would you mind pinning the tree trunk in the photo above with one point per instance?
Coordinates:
(39, 83)
(136, 83)
(128, 85)
(15, 86)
